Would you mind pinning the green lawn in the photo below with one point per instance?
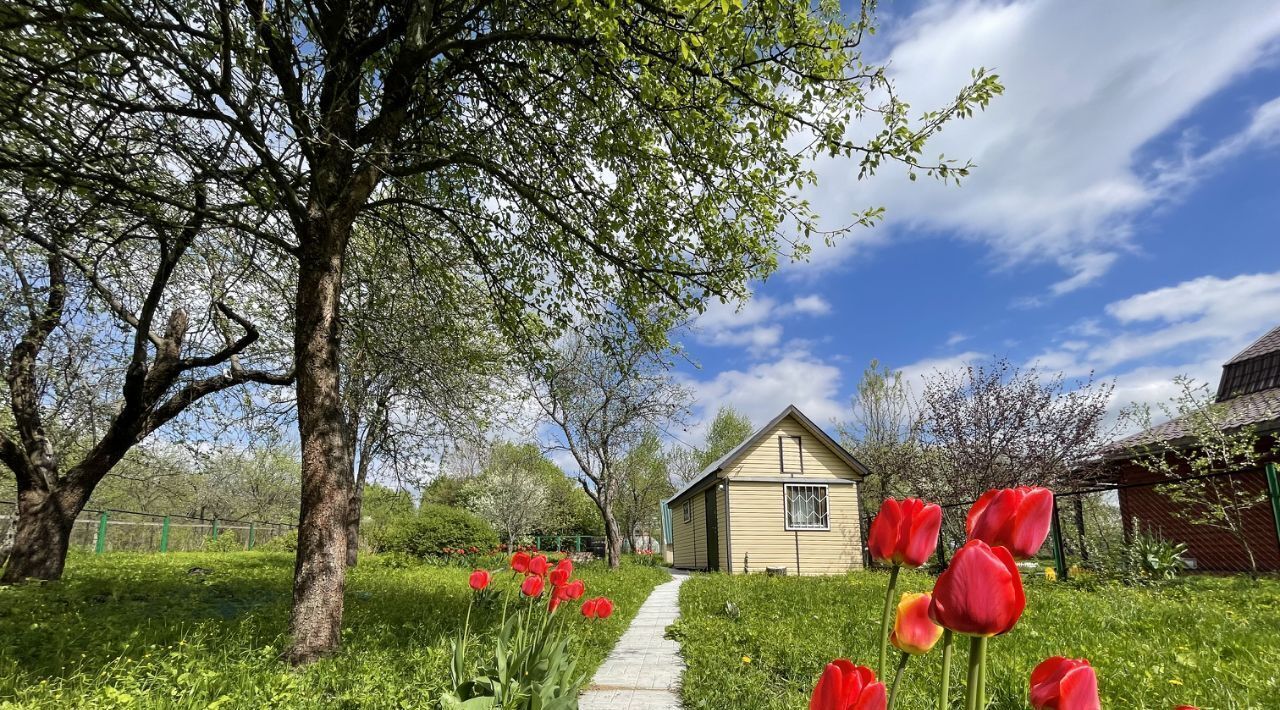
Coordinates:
(1211, 642)
(133, 630)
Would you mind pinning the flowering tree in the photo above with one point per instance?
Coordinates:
(1210, 448)
(603, 397)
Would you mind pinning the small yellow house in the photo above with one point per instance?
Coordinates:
(785, 497)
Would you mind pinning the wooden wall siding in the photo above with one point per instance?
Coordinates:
(759, 531)
(762, 459)
(723, 536)
(689, 548)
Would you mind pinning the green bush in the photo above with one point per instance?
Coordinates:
(286, 542)
(227, 541)
(433, 529)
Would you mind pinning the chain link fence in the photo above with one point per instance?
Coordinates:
(131, 531)
(1220, 522)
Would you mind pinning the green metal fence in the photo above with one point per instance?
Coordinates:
(102, 531)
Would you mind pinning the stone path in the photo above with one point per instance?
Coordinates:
(643, 670)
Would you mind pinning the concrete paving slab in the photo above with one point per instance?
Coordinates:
(643, 671)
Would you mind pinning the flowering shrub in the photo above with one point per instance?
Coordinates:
(980, 595)
(529, 666)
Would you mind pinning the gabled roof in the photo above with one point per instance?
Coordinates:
(1267, 344)
(1254, 369)
(741, 450)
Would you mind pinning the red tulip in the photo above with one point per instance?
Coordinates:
(538, 565)
(575, 589)
(558, 595)
(1013, 518)
(520, 562)
(1064, 684)
(913, 631)
(844, 686)
(561, 572)
(532, 586)
(598, 608)
(905, 532)
(1186, 707)
(980, 594)
(480, 579)
(604, 608)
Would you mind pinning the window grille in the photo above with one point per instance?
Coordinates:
(688, 511)
(806, 507)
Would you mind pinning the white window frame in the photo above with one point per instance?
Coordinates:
(786, 517)
(688, 511)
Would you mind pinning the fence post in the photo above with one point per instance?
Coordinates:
(578, 543)
(101, 545)
(215, 529)
(251, 535)
(1273, 488)
(1055, 529)
(537, 542)
(164, 535)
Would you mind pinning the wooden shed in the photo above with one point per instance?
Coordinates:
(786, 497)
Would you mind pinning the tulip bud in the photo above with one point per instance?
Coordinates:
(913, 631)
(980, 594)
(904, 532)
(1064, 684)
(844, 686)
(1017, 519)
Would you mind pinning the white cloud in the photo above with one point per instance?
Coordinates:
(1089, 84)
(764, 389)
(1190, 328)
(812, 304)
(753, 324)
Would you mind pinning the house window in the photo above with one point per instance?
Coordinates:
(806, 507)
(790, 456)
(688, 511)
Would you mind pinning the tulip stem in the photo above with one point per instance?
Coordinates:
(977, 674)
(884, 620)
(897, 678)
(944, 699)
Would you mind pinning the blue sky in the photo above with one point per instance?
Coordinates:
(1122, 217)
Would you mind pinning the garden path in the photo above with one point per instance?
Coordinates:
(643, 670)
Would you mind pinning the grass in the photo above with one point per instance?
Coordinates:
(138, 631)
(1210, 642)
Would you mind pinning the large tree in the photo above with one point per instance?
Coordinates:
(114, 328)
(422, 366)
(645, 483)
(885, 435)
(996, 425)
(513, 494)
(604, 396)
(596, 161)
(728, 429)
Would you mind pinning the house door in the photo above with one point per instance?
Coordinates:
(713, 531)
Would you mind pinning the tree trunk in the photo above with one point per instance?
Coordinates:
(320, 569)
(42, 533)
(354, 512)
(613, 539)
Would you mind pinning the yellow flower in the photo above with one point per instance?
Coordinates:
(746, 659)
(1050, 574)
